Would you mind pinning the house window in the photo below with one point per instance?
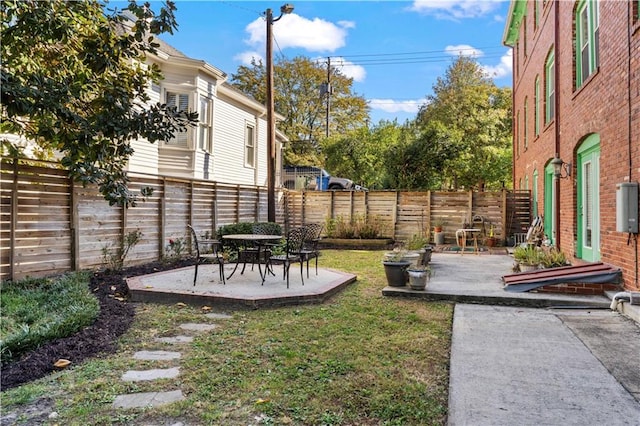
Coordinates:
(587, 39)
(518, 134)
(249, 146)
(550, 88)
(536, 107)
(205, 124)
(181, 102)
(525, 123)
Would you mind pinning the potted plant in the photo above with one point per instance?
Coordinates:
(553, 258)
(420, 244)
(491, 239)
(528, 257)
(438, 234)
(418, 277)
(395, 267)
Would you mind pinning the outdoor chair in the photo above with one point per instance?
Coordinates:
(203, 255)
(258, 252)
(310, 249)
(292, 253)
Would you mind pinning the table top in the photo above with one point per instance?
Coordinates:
(252, 237)
(470, 230)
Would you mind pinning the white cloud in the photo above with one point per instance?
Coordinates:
(455, 9)
(246, 57)
(464, 50)
(349, 69)
(392, 106)
(503, 69)
(316, 35)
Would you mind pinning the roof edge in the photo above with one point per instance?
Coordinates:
(517, 10)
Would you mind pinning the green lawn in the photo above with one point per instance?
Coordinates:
(358, 359)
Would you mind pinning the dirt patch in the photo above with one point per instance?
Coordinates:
(115, 318)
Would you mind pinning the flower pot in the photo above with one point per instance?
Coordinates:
(527, 268)
(491, 242)
(412, 257)
(418, 279)
(439, 238)
(396, 272)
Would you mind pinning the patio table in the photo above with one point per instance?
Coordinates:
(260, 241)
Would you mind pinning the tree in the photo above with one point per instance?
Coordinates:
(74, 81)
(473, 121)
(297, 97)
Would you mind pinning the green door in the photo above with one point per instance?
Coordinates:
(549, 201)
(588, 206)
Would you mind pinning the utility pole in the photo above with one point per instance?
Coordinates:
(271, 121)
(329, 90)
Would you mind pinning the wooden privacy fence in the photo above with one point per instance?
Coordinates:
(405, 213)
(51, 225)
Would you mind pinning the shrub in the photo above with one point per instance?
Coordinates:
(358, 226)
(528, 255)
(35, 311)
(553, 258)
(114, 257)
(416, 242)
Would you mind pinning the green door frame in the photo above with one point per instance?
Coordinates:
(588, 154)
(549, 209)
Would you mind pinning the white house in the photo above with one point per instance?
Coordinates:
(230, 143)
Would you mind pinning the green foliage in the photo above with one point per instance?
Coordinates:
(297, 98)
(358, 226)
(175, 249)
(468, 120)
(114, 257)
(553, 258)
(528, 255)
(35, 311)
(74, 82)
(416, 242)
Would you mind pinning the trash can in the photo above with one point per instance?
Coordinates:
(322, 183)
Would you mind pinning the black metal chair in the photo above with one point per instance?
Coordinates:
(292, 253)
(203, 255)
(310, 249)
(259, 251)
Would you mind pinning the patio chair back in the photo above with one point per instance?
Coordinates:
(213, 254)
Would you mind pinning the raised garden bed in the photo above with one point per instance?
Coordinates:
(357, 243)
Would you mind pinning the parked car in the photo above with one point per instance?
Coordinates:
(310, 177)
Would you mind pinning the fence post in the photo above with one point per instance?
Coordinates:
(75, 234)
(395, 214)
(504, 214)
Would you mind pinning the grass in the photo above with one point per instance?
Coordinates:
(37, 310)
(359, 358)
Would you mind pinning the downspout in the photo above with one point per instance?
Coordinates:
(630, 128)
(556, 53)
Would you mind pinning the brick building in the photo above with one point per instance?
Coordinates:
(576, 94)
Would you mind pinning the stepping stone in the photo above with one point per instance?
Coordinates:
(175, 339)
(147, 399)
(197, 326)
(145, 375)
(157, 355)
(215, 315)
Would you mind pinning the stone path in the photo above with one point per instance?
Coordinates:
(155, 399)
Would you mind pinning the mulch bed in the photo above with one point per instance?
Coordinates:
(114, 319)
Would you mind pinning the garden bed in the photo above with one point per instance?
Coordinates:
(357, 243)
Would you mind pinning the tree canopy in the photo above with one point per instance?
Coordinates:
(74, 81)
(298, 98)
(470, 117)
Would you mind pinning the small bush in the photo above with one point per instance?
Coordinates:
(358, 226)
(114, 257)
(35, 311)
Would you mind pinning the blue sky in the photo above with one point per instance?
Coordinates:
(394, 50)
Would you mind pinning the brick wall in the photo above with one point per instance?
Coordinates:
(601, 106)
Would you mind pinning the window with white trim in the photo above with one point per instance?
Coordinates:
(249, 146)
(549, 88)
(587, 41)
(205, 116)
(181, 102)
